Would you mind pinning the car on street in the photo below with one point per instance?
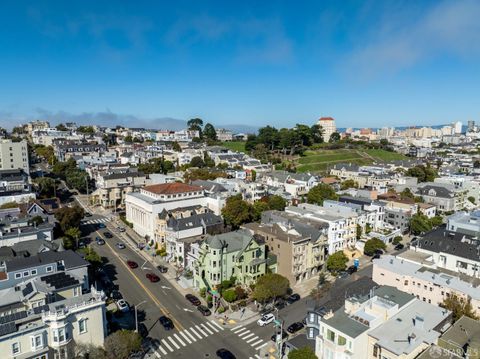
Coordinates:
(99, 241)
(399, 246)
(378, 251)
(266, 319)
(166, 322)
(280, 304)
(120, 229)
(192, 299)
(342, 275)
(293, 298)
(152, 277)
(101, 225)
(120, 245)
(204, 310)
(351, 270)
(142, 330)
(375, 256)
(162, 269)
(295, 327)
(284, 336)
(123, 306)
(225, 354)
(107, 234)
(88, 214)
(132, 264)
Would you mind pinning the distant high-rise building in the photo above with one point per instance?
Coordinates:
(457, 126)
(471, 126)
(14, 155)
(328, 126)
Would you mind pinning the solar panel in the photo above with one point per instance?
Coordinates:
(7, 328)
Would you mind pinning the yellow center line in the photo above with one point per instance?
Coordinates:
(163, 310)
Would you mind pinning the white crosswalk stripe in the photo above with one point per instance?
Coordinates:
(186, 338)
(180, 340)
(261, 346)
(238, 329)
(251, 339)
(162, 350)
(164, 342)
(201, 331)
(233, 329)
(213, 327)
(206, 328)
(217, 325)
(244, 333)
(247, 336)
(173, 342)
(97, 220)
(194, 332)
(257, 356)
(256, 343)
(190, 335)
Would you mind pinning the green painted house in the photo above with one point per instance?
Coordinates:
(238, 254)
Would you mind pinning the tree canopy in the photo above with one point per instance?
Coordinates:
(197, 162)
(302, 353)
(422, 173)
(156, 165)
(337, 262)
(69, 217)
(195, 124)
(459, 307)
(122, 343)
(270, 286)
(419, 223)
(321, 192)
(372, 245)
(209, 132)
(236, 211)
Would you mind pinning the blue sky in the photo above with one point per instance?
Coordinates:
(365, 63)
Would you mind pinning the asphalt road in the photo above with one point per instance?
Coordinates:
(194, 335)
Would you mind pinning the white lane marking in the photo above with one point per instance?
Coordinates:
(239, 326)
(179, 339)
(190, 335)
(251, 339)
(256, 343)
(257, 356)
(216, 324)
(164, 342)
(198, 335)
(261, 346)
(238, 329)
(156, 354)
(212, 326)
(162, 350)
(206, 328)
(173, 342)
(244, 333)
(186, 338)
(201, 331)
(247, 336)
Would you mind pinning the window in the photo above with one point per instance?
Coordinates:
(33, 272)
(462, 265)
(341, 340)
(16, 348)
(49, 269)
(18, 275)
(375, 351)
(76, 291)
(310, 333)
(26, 274)
(59, 335)
(311, 317)
(37, 342)
(82, 325)
(330, 335)
(44, 356)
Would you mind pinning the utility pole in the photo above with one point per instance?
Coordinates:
(136, 316)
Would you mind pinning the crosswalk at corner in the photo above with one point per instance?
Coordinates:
(249, 337)
(97, 220)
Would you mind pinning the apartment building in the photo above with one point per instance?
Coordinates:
(386, 323)
(296, 184)
(234, 254)
(20, 230)
(224, 134)
(37, 125)
(143, 207)
(14, 155)
(431, 285)
(68, 150)
(445, 197)
(301, 249)
(328, 127)
(464, 222)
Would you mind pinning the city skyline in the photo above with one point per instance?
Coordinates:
(398, 64)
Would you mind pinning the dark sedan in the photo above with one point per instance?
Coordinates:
(152, 277)
(166, 322)
(293, 298)
(192, 299)
(108, 235)
(295, 327)
(284, 336)
(162, 269)
(204, 310)
(225, 354)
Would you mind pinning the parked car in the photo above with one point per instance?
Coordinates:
(120, 245)
(399, 246)
(295, 327)
(120, 229)
(107, 234)
(142, 330)
(88, 214)
(81, 244)
(378, 251)
(293, 298)
(280, 304)
(101, 225)
(192, 299)
(162, 269)
(116, 295)
(123, 306)
(99, 241)
(225, 354)
(166, 322)
(351, 270)
(152, 277)
(284, 336)
(266, 319)
(342, 275)
(132, 264)
(204, 310)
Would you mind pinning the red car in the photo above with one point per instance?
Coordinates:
(152, 277)
(132, 264)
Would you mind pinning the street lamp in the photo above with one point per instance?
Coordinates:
(136, 318)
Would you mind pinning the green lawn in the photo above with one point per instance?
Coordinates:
(385, 155)
(238, 146)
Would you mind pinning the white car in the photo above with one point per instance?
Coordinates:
(266, 319)
(123, 306)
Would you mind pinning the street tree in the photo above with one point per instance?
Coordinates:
(321, 192)
(459, 307)
(349, 184)
(176, 147)
(121, 344)
(69, 217)
(209, 132)
(337, 262)
(372, 245)
(419, 223)
(236, 211)
(302, 353)
(397, 240)
(45, 186)
(276, 202)
(195, 124)
(197, 162)
(334, 137)
(270, 286)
